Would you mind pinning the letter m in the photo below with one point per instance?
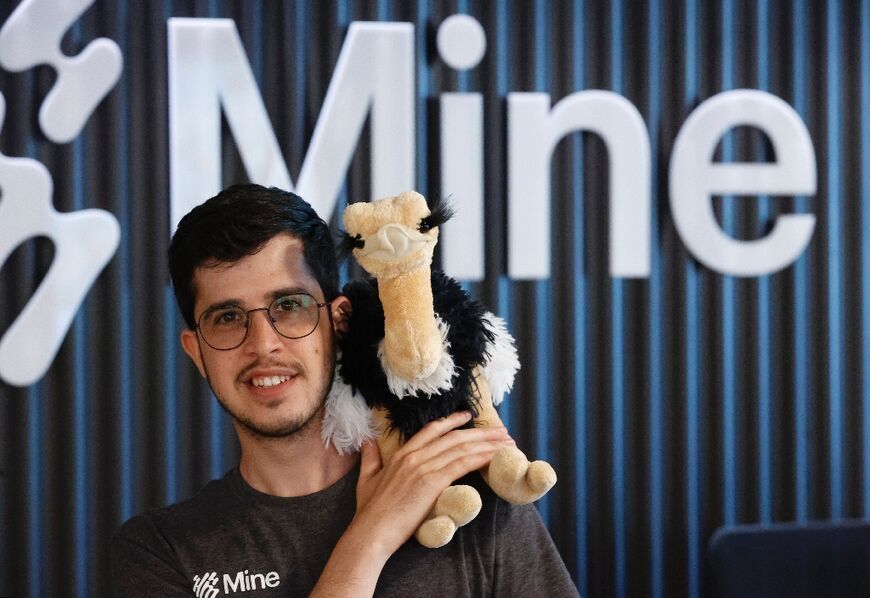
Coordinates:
(209, 74)
(234, 585)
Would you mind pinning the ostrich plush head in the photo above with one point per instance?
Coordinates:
(394, 235)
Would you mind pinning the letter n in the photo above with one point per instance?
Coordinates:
(533, 133)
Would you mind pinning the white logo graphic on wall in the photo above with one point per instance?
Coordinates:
(84, 240)
(209, 585)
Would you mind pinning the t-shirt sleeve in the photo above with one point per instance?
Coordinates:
(143, 563)
(526, 560)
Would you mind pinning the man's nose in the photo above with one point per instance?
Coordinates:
(262, 336)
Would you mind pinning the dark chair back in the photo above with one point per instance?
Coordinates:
(820, 559)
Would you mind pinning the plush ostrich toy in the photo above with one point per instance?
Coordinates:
(418, 348)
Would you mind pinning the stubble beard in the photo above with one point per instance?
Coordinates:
(296, 427)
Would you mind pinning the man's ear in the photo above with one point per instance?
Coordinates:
(341, 310)
(190, 344)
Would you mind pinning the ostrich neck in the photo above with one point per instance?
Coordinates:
(408, 297)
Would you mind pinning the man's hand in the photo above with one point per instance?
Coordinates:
(394, 498)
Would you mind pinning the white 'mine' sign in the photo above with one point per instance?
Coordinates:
(209, 73)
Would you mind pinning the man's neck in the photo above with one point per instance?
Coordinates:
(295, 466)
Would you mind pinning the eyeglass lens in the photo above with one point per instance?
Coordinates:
(292, 316)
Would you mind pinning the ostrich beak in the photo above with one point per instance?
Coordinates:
(394, 242)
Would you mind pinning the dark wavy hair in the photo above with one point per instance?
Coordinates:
(239, 221)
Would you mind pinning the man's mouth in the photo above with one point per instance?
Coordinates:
(268, 381)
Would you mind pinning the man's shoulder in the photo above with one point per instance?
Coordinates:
(205, 509)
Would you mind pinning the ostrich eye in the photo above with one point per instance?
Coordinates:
(441, 213)
(347, 243)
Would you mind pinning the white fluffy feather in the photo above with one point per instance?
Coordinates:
(439, 380)
(347, 422)
(501, 368)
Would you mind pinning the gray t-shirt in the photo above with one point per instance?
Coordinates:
(231, 540)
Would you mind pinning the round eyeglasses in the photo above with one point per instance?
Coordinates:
(225, 327)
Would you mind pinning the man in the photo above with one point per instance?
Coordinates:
(255, 276)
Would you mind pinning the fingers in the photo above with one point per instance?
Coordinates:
(453, 455)
(461, 459)
(437, 428)
(461, 439)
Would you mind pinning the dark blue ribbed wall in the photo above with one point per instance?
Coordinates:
(669, 405)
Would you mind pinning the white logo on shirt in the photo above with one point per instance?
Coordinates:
(206, 585)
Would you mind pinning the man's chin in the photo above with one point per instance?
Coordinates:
(277, 428)
(271, 430)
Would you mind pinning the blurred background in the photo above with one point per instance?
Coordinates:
(670, 404)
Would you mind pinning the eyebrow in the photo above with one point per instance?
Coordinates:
(290, 291)
(223, 303)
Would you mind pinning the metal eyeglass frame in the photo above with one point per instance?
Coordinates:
(269, 317)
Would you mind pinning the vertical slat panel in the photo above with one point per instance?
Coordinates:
(834, 259)
(728, 330)
(502, 84)
(865, 247)
(35, 492)
(343, 18)
(170, 329)
(424, 90)
(384, 10)
(655, 363)
(80, 181)
(580, 307)
(126, 378)
(692, 344)
(542, 289)
(801, 370)
(299, 23)
(463, 76)
(617, 332)
(171, 398)
(36, 502)
(663, 448)
(763, 343)
(215, 414)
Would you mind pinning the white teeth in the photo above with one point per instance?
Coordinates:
(268, 381)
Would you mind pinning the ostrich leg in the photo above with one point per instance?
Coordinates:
(510, 474)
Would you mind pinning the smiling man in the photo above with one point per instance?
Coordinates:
(255, 275)
(269, 391)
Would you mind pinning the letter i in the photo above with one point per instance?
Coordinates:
(461, 45)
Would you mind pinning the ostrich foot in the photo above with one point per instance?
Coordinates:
(513, 478)
(456, 506)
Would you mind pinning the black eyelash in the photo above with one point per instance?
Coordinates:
(347, 243)
(440, 212)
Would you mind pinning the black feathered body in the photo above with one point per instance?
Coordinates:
(468, 338)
